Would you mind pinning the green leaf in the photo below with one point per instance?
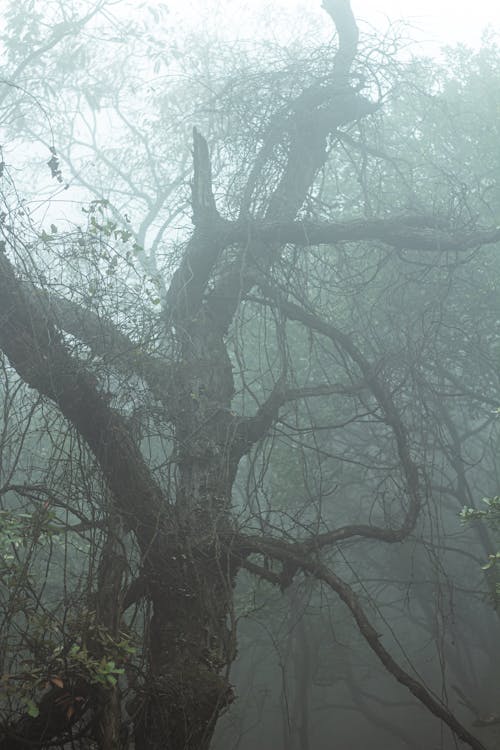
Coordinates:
(32, 708)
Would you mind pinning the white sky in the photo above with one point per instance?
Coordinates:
(434, 22)
(438, 21)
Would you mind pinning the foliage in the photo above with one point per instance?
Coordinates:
(491, 517)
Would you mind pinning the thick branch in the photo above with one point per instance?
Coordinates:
(406, 233)
(207, 241)
(35, 349)
(341, 14)
(302, 132)
(262, 241)
(252, 429)
(202, 197)
(105, 340)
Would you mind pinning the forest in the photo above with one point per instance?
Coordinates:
(249, 381)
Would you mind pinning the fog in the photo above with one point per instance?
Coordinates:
(249, 383)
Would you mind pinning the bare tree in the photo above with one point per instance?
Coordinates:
(163, 474)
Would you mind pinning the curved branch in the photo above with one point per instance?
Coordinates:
(383, 398)
(293, 560)
(340, 12)
(372, 638)
(250, 430)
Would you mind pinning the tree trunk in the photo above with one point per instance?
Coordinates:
(191, 576)
(189, 649)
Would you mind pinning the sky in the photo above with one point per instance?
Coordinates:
(439, 22)
(435, 23)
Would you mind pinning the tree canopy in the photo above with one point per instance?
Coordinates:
(249, 350)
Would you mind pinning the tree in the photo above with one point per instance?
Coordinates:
(146, 384)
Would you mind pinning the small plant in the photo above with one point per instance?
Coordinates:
(491, 516)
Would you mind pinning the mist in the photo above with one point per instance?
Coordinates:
(249, 376)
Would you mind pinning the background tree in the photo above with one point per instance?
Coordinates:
(285, 387)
